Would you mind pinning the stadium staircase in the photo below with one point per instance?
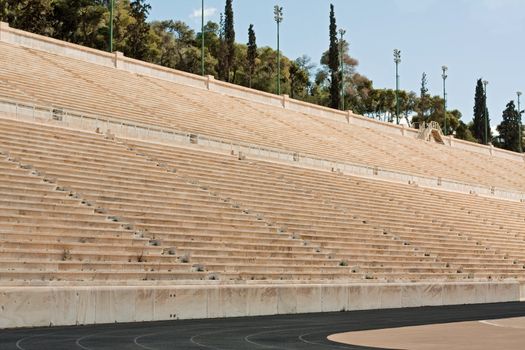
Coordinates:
(431, 132)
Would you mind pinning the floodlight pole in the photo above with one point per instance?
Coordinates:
(342, 32)
(278, 16)
(519, 114)
(202, 37)
(397, 60)
(111, 15)
(485, 83)
(444, 76)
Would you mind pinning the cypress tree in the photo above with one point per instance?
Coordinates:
(333, 62)
(509, 129)
(424, 100)
(480, 113)
(229, 38)
(221, 52)
(423, 91)
(251, 55)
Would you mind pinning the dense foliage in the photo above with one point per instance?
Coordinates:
(509, 129)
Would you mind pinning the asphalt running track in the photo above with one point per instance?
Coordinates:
(306, 331)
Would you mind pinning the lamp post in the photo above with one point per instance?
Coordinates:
(444, 76)
(342, 32)
(111, 15)
(278, 16)
(485, 83)
(397, 60)
(202, 37)
(519, 114)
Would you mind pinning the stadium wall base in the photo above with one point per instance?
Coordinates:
(54, 306)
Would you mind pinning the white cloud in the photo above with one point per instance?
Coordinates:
(208, 12)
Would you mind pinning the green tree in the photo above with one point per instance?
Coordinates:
(229, 40)
(408, 102)
(238, 71)
(265, 71)
(333, 62)
(509, 129)
(463, 132)
(434, 111)
(251, 55)
(357, 90)
(5, 10)
(165, 44)
(424, 103)
(222, 52)
(299, 79)
(480, 114)
(31, 15)
(453, 120)
(81, 21)
(137, 43)
(381, 104)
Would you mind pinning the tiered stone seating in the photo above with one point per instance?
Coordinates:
(423, 230)
(80, 207)
(299, 212)
(202, 229)
(47, 234)
(186, 213)
(64, 82)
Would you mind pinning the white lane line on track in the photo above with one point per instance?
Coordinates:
(19, 341)
(192, 339)
(136, 340)
(301, 338)
(487, 322)
(78, 340)
(247, 339)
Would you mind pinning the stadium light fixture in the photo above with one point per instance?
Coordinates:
(111, 19)
(397, 60)
(342, 33)
(444, 76)
(202, 37)
(518, 93)
(278, 16)
(485, 83)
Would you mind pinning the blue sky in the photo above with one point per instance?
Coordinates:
(474, 38)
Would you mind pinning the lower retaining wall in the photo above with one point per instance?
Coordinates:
(44, 306)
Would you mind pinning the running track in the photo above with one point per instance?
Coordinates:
(306, 331)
